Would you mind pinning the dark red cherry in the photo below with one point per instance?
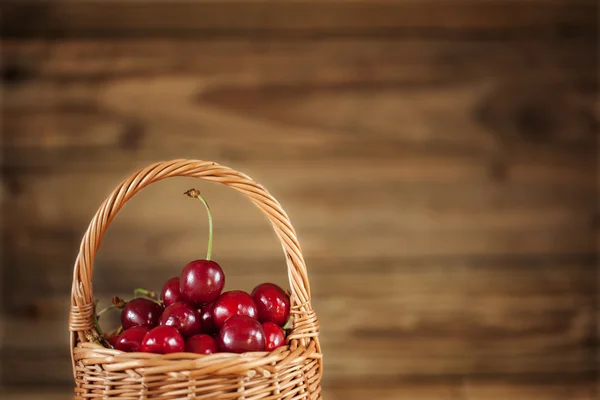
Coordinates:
(112, 340)
(240, 334)
(201, 344)
(131, 339)
(274, 336)
(140, 312)
(170, 292)
(182, 316)
(163, 340)
(206, 317)
(272, 302)
(201, 282)
(231, 303)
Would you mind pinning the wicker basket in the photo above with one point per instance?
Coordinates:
(290, 372)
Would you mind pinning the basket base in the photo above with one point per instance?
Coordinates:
(283, 374)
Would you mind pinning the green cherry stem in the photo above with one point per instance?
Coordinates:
(104, 310)
(96, 323)
(289, 324)
(144, 292)
(196, 194)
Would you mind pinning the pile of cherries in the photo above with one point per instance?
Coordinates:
(194, 315)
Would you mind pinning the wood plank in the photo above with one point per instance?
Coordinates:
(77, 140)
(426, 197)
(37, 394)
(441, 209)
(545, 275)
(534, 327)
(366, 61)
(471, 390)
(431, 390)
(494, 279)
(466, 165)
(543, 391)
(553, 388)
(476, 181)
(405, 321)
(444, 189)
(213, 18)
(171, 246)
(406, 196)
(22, 365)
(85, 102)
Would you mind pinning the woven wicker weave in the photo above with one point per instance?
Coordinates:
(290, 372)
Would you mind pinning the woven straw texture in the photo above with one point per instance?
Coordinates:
(290, 372)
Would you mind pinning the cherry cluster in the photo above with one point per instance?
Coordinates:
(194, 314)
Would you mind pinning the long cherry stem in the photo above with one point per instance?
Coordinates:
(196, 194)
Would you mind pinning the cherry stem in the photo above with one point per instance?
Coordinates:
(99, 313)
(96, 324)
(196, 194)
(118, 302)
(144, 292)
(289, 324)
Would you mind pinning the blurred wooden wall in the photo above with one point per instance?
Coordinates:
(438, 160)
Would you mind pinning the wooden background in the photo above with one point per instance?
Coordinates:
(437, 158)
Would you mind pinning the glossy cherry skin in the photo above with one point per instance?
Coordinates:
(201, 282)
(131, 339)
(170, 292)
(208, 325)
(113, 340)
(182, 316)
(163, 340)
(141, 312)
(201, 344)
(274, 335)
(240, 334)
(231, 303)
(272, 302)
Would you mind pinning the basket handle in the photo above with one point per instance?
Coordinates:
(82, 302)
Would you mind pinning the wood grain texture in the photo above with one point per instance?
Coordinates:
(444, 390)
(309, 18)
(439, 164)
(470, 390)
(96, 99)
(463, 318)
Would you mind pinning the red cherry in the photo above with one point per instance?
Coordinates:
(170, 293)
(231, 303)
(241, 334)
(140, 312)
(201, 282)
(163, 340)
(182, 316)
(113, 340)
(201, 344)
(272, 302)
(206, 317)
(131, 339)
(274, 336)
